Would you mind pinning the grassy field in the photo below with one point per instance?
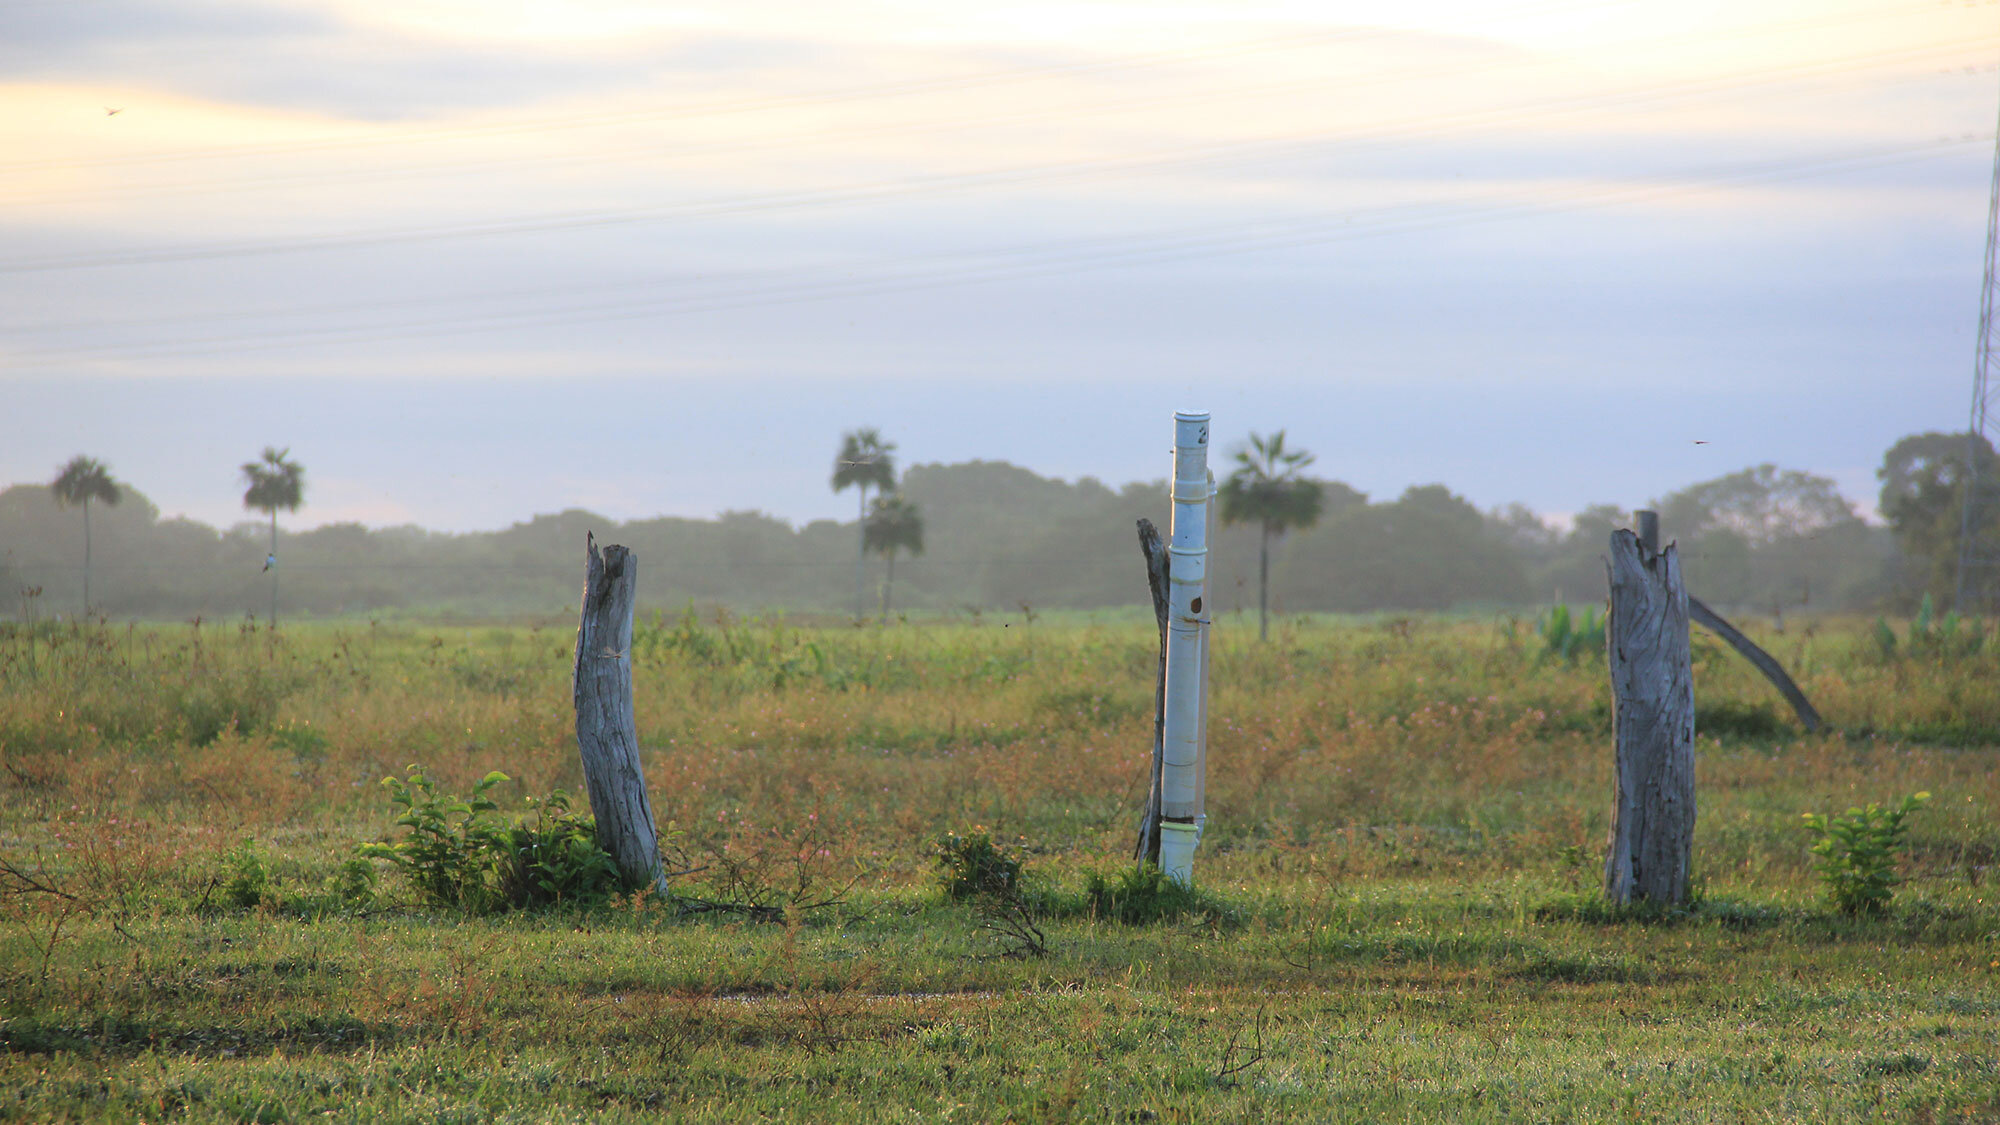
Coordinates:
(1396, 917)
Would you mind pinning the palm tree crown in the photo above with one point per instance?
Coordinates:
(275, 482)
(1266, 489)
(82, 480)
(894, 524)
(864, 460)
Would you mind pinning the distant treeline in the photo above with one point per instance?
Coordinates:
(998, 537)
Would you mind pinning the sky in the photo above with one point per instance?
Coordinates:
(471, 262)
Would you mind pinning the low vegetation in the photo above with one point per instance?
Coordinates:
(1856, 852)
(902, 882)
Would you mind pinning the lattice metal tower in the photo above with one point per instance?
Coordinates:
(1977, 564)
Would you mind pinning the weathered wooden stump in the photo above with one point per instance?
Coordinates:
(606, 734)
(1652, 688)
(1159, 565)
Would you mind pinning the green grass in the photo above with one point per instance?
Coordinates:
(1396, 917)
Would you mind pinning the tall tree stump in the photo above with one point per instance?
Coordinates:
(606, 735)
(1159, 571)
(1652, 690)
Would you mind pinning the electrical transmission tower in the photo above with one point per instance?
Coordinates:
(1977, 561)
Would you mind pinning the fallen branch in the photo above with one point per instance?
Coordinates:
(1230, 1067)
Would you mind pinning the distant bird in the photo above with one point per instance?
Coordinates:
(270, 561)
(1699, 442)
(109, 112)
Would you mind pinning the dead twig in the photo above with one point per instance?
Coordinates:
(1007, 916)
(1225, 1074)
(16, 881)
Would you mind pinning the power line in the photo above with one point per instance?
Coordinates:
(1235, 152)
(1060, 258)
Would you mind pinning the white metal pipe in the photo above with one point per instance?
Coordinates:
(1181, 758)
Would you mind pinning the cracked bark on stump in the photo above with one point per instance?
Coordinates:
(606, 734)
(1652, 688)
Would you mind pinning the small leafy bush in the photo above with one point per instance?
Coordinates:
(249, 883)
(554, 859)
(1885, 640)
(1857, 850)
(448, 851)
(1565, 637)
(352, 886)
(974, 867)
(459, 854)
(973, 864)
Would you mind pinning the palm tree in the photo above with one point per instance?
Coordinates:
(82, 480)
(893, 524)
(1266, 489)
(274, 483)
(863, 460)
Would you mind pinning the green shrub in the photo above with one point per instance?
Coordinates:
(1857, 853)
(353, 885)
(1142, 895)
(249, 882)
(460, 855)
(554, 859)
(1885, 640)
(1565, 637)
(973, 864)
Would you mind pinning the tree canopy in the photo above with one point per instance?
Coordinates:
(1761, 504)
(1267, 487)
(1924, 479)
(894, 524)
(864, 460)
(995, 536)
(274, 482)
(82, 480)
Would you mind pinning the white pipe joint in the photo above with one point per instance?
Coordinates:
(1187, 628)
(1177, 841)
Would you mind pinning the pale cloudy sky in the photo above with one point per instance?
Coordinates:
(472, 261)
